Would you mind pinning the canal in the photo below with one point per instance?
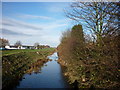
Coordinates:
(49, 76)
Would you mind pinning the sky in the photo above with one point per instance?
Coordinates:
(32, 22)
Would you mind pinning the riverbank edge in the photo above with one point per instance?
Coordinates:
(65, 73)
(71, 78)
(9, 67)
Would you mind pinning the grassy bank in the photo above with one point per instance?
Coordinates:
(16, 62)
(9, 52)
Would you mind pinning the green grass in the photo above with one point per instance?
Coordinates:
(10, 52)
(16, 62)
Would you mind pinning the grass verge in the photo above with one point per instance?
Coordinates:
(16, 62)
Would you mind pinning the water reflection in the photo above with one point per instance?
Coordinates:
(36, 67)
(47, 76)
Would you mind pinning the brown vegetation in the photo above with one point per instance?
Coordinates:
(88, 63)
(92, 62)
(3, 42)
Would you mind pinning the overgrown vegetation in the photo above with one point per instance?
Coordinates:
(17, 62)
(3, 42)
(92, 62)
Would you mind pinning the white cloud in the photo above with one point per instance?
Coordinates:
(14, 22)
(27, 16)
(29, 33)
(16, 27)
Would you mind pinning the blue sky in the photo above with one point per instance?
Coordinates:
(32, 22)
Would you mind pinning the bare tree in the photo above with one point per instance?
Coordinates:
(98, 17)
(65, 35)
(3, 42)
(36, 45)
(18, 43)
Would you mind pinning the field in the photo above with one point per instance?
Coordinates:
(9, 52)
(17, 62)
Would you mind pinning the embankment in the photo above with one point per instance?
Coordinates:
(15, 65)
(89, 76)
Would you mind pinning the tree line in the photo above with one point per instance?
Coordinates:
(5, 42)
(92, 59)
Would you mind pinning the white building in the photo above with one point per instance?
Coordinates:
(14, 47)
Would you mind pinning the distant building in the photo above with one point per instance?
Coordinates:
(24, 47)
(47, 46)
(19, 47)
(28, 47)
(14, 47)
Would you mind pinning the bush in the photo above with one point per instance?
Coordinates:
(87, 63)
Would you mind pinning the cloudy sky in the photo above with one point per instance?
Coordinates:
(32, 22)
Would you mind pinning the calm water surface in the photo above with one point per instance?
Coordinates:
(50, 76)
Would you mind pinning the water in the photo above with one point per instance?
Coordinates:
(50, 76)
